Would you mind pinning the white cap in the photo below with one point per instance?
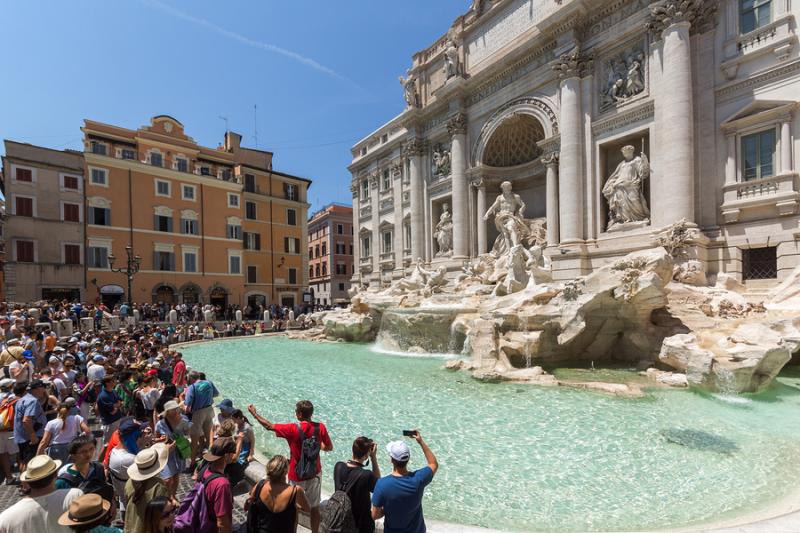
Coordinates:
(398, 450)
(7, 382)
(54, 359)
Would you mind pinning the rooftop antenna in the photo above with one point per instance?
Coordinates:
(226, 123)
(255, 123)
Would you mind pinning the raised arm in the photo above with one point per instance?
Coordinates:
(430, 458)
(492, 209)
(266, 424)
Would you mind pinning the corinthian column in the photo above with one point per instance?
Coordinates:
(414, 150)
(457, 127)
(570, 68)
(551, 162)
(673, 192)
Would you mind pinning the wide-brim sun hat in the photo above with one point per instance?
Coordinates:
(40, 467)
(85, 510)
(149, 462)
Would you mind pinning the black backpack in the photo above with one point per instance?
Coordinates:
(306, 466)
(337, 515)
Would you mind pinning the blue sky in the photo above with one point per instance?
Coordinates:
(323, 74)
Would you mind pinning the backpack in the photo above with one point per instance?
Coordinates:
(195, 514)
(306, 466)
(337, 515)
(95, 484)
(7, 414)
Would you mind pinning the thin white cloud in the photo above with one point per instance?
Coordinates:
(246, 40)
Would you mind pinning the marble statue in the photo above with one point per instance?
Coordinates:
(444, 232)
(441, 162)
(409, 84)
(451, 64)
(508, 210)
(420, 279)
(624, 189)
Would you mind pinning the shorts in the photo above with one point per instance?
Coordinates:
(312, 489)
(27, 451)
(7, 444)
(202, 421)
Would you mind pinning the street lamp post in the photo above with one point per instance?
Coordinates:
(130, 270)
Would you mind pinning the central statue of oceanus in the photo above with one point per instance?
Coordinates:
(509, 219)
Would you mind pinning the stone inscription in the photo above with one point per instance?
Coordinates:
(509, 24)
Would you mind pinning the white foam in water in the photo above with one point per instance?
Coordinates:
(732, 399)
(376, 348)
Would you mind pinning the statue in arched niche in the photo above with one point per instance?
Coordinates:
(509, 219)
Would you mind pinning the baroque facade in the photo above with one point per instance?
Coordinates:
(610, 119)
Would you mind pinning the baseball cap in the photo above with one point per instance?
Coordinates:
(7, 382)
(54, 359)
(98, 358)
(219, 448)
(27, 354)
(226, 406)
(128, 426)
(398, 450)
(59, 349)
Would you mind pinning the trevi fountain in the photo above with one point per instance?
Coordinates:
(563, 214)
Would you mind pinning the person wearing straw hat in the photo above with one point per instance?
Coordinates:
(144, 484)
(91, 514)
(40, 510)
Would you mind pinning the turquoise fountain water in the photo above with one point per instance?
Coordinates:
(526, 458)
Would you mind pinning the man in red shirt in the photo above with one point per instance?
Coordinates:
(179, 372)
(218, 491)
(304, 410)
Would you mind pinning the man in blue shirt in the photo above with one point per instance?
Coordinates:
(29, 422)
(198, 404)
(109, 407)
(398, 496)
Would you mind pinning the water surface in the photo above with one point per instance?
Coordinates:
(527, 458)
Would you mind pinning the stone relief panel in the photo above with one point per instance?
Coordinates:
(623, 77)
(440, 162)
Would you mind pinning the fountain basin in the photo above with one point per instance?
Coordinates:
(421, 330)
(529, 458)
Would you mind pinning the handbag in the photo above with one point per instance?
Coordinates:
(182, 446)
(59, 451)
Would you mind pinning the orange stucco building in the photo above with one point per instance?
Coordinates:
(183, 209)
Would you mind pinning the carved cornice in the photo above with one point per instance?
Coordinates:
(457, 125)
(551, 159)
(574, 64)
(415, 147)
(701, 14)
(630, 115)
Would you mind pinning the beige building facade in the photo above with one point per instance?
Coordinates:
(44, 227)
(611, 119)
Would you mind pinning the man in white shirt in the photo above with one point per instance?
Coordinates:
(40, 510)
(22, 369)
(96, 371)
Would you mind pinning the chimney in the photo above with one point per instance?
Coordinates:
(232, 141)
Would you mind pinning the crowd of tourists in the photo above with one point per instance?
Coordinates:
(157, 420)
